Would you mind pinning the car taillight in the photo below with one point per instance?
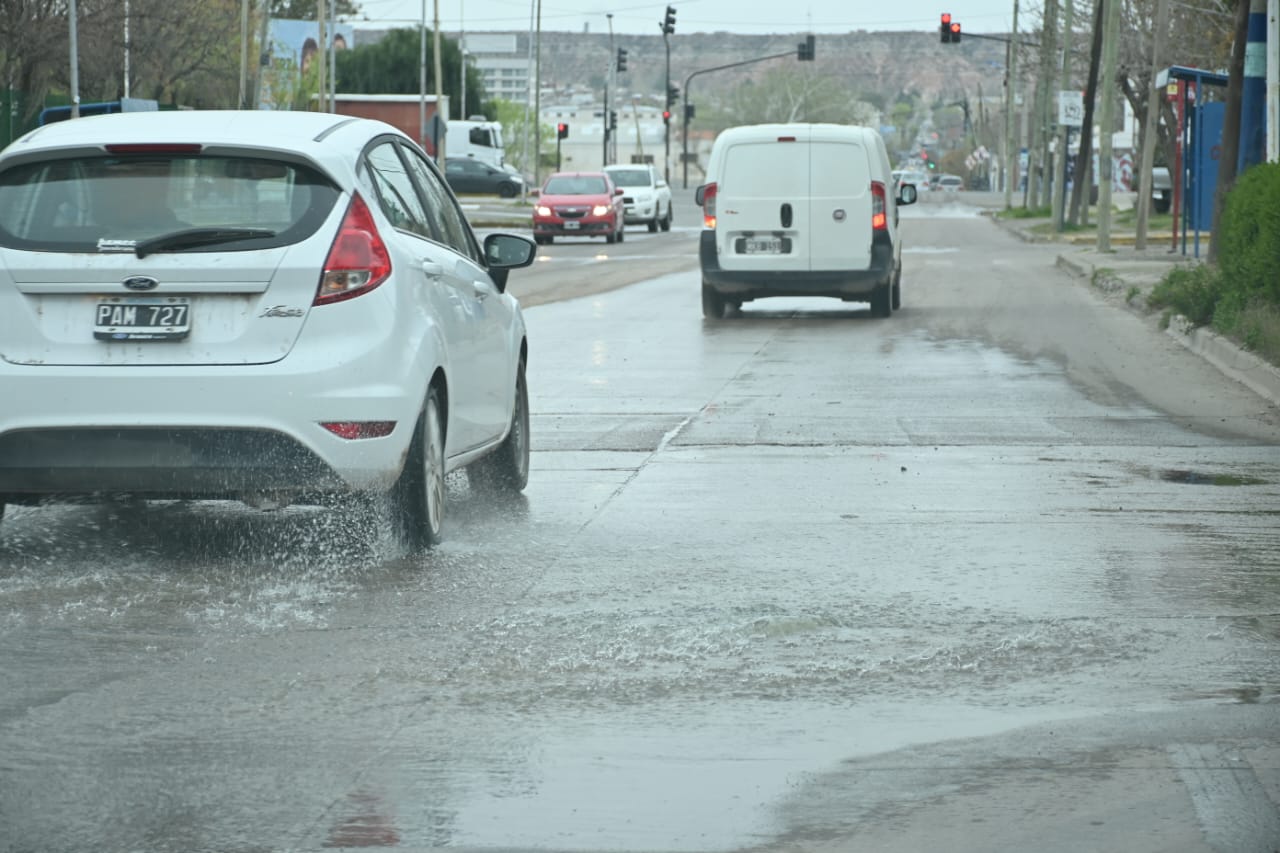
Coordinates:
(355, 430)
(879, 218)
(358, 260)
(709, 206)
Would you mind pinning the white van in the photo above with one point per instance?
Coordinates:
(800, 210)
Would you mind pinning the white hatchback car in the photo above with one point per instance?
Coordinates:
(258, 306)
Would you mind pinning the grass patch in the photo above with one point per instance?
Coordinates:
(1025, 213)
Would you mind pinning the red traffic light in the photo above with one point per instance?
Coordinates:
(666, 116)
(946, 19)
(562, 131)
(955, 32)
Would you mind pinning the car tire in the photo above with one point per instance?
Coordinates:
(713, 304)
(507, 190)
(506, 469)
(882, 300)
(622, 233)
(418, 495)
(653, 225)
(665, 222)
(611, 237)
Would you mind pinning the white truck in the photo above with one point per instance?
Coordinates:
(476, 138)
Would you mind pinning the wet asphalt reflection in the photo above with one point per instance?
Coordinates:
(752, 554)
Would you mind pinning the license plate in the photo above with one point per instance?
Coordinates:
(572, 226)
(142, 318)
(762, 246)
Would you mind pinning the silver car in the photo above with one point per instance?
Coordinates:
(260, 306)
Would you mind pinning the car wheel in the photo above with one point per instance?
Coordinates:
(653, 225)
(713, 304)
(622, 232)
(665, 224)
(506, 190)
(881, 300)
(506, 470)
(611, 237)
(418, 496)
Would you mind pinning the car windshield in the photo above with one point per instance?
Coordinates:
(88, 204)
(575, 185)
(631, 177)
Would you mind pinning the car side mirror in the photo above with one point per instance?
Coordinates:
(617, 190)
(907, 194)
(535, 191)
(505, 252)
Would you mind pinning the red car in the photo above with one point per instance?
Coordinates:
(579, 204)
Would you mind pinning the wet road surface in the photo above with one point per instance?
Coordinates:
(1002, 571)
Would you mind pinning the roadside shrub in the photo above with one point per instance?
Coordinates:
(1249, 252)
(1192, 291)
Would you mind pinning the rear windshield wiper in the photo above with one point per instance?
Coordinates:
(193, 237)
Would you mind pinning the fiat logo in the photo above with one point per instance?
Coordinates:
(140, 282)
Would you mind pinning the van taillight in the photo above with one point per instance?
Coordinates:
(879, 218)
(709, 206)
(358, 259)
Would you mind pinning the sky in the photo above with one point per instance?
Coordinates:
(751, 17)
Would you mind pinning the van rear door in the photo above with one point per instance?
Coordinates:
(840, 205)
(762, 204)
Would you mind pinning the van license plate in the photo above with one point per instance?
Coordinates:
(762, 246)
(142, 318)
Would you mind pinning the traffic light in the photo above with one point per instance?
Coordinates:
(562, 131)
(669, 22)
(949, 30)
(613, 119)
(666, 116)
(804, 50)
(622, 59)
(688, 112)
(673, 94)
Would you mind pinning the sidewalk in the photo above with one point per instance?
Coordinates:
(1125, 277)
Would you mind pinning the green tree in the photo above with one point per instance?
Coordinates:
(305, 10)
(393, 66)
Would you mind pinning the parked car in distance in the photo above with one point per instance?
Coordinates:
(646, 196)
(800, 210)
(467, 175)
(265, 306)
(917, 179)
(579, 204)
(950, 183)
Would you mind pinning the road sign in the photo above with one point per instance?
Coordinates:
(1071, 109)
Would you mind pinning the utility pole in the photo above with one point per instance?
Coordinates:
(1011, 104)
(1064, 129)
(1045, 97)
(440, 113)
(609, 81)
(1106, 118)
(244, 53)
(321, 60)
(75, 60)
(1149, 127)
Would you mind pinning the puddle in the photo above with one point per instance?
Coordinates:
(1200, 478)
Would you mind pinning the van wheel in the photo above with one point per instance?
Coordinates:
(713, 304)
(417, 498)
(506, 470)
(896, 302)
(881, 300)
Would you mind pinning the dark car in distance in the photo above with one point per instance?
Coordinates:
(466, 175)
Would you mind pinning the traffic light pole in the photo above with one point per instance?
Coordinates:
(684, 157)
(666, 126)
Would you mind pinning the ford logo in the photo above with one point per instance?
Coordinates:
(141, 282)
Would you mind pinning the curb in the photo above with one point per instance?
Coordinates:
(1256, 374)
(1249, 370)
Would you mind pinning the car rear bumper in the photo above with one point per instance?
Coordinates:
(751, 284)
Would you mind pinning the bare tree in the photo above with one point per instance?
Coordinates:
(33, 44)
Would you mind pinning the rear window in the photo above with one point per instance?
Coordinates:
(106, 203)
